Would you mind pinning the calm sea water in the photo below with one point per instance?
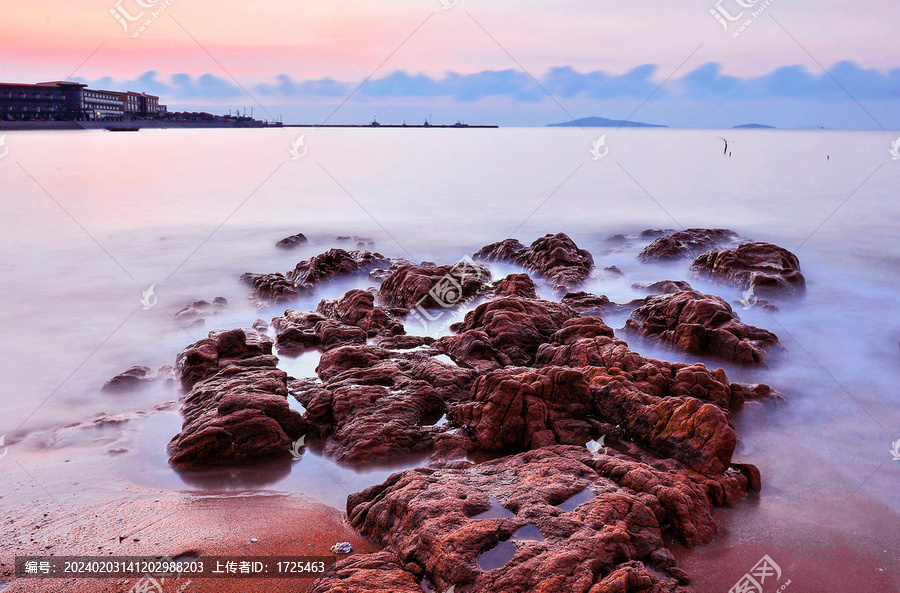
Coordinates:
(90, 220)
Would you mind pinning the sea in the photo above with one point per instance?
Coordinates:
(92, 220)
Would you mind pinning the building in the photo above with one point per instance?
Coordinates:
(100, 105)
(133, 104)
(64, 100)
(32, 102)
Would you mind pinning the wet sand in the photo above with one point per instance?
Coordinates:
(824, 534)
(164, 523)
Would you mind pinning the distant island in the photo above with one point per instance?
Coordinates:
(602, 122)
(754, 127)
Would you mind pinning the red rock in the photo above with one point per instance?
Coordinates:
(222, 348)
(334, 263)
(687, 243)
(767, 268)
(371, 573)
(292, 242)
(372, 404)
(516, 326)
(434, 287)
(663, 286)
(702, 324)
(239, 414)
(517, 409)
(520, 285)
(131, 380)
(506, 250)
(556, 257)
(270, 287)
(425, 518)
(473, 350)
(405, 342)
(357, 308)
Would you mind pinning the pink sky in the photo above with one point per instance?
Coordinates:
(347, 40)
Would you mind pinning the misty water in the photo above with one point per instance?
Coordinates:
(90, 220)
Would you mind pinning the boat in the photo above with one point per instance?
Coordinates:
(112, 129)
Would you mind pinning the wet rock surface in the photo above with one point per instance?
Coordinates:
(357, 308)
(293, 241)
(515, 326)
(687, 243)
(332, 264)
(205, 358)
(372, 573)
(434, 287)
(270, 287)
(372, 404)
(426, 518)
(133, 379)
(195, 314)
(240, 414)
(766, 268)
(556, 257)
(702, 324)
(532, 381)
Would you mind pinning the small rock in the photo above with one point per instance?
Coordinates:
(342, 548)
(253, 540)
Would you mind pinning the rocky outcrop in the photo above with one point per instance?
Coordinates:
(133, 379)
(239, 414)
(702, 324)
(270, 287)
(371, 573)
(539, 539)
(334, 263)
(434, 287)
(515, 326)
(506, 250)
(221, 349)
(405, 342)
(519, 409)
(766, 268)
(520, 285)
(687, 243)
(195, 314)
(586, 303)
(357, 308)
(292, 242)
(372, 405)
(351, 319)
(556, 257)
(662, 287)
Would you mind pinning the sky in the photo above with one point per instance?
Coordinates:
(695, 63)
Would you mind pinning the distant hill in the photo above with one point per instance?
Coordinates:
(754, 127)
(602, 122)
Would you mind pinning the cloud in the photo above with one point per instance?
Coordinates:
(794, 82)
(706, 82)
